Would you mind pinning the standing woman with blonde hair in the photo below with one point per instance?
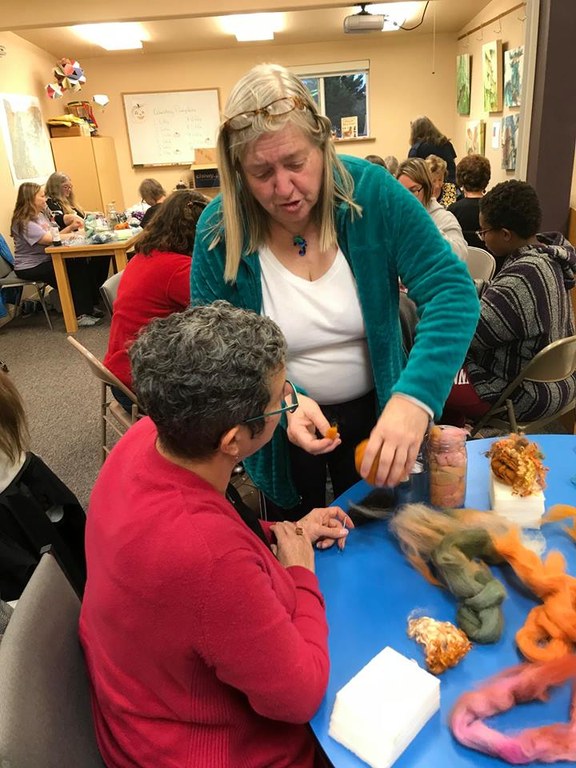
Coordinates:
(318, 242)
(426, 139)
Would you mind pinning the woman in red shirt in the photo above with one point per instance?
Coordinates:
(156, 281)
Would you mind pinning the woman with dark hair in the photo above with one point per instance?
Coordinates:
(319, 242)
(525, 307)
(426, 139)
(203, 627)
(472, 176)
(414, 175)
(154, 194)
(156, 281)
(31, 232)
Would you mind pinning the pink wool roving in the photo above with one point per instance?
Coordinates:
(526, 682)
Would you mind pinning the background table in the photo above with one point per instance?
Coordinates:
(118, 249)
(370, 591)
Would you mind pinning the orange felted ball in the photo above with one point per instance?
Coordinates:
(359, 456)
(332, 432)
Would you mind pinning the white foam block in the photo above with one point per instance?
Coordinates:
(378, 713)
(525, 511)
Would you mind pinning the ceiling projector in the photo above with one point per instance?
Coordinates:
(364, 22)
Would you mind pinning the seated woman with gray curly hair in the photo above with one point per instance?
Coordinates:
(204, 630)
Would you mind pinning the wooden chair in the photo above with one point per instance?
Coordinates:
(9, 279)
(109, 290)
(481, 264)
(45, 711)
(555, 362)
(112, 414)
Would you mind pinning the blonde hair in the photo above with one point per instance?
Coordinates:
(437, 167)
(243, 223)
(53, 190)
(13, 427)
(417, 170)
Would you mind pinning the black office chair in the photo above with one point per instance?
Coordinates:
(38, 510)
(45, 712)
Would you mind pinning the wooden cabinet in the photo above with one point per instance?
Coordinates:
(92, 165)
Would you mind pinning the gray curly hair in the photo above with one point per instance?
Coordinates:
(201, 372)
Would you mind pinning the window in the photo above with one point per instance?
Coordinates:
(341, 92)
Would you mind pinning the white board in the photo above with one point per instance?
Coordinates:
(165, 127)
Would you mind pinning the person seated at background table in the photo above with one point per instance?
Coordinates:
(414, 175)
(442, 191)
(204, 631)
(30, 229)
(318, 242)
(156, 281)
(65, 211)
(60, 200)
(376, 159)
(525, 307)
(472, 177)
(154, 194)
(391, 164)
(426, 139)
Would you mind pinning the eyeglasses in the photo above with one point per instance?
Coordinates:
(415, 190)
(481, 232)
(289, 394)
(276, 108)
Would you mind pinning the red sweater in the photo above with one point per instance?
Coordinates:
(152, 286)
(203, 651)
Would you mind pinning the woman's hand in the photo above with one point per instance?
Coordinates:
(293, 545)
(303, 424)
(398, 435)
(327, 525)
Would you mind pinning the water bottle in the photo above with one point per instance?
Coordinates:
(55, 232)
(447, 465)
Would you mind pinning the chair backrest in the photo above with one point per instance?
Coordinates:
(481, 263)
(109, 290)
(555, 362)
(45, 711)
(5, 269)
(100, 371)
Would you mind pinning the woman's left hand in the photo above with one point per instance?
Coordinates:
(398, 435)
(304, 424)
(326, 525)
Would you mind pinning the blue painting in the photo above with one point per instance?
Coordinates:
(513, 65)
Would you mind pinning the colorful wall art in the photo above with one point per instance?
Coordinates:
(510, 142)
(513, 65)
(492, 76)
(475, 137)
(463, 68)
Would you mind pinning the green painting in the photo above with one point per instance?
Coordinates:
(463, 62)
(492, 76)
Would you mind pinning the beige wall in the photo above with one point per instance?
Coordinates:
(409, 75)
(24, 69)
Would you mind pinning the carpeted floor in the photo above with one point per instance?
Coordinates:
(60, 394)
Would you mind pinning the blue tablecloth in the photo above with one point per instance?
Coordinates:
(370, 591)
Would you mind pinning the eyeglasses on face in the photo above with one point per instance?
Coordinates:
(289, 403)
(276, 108)
(415, 190)
(480, 233)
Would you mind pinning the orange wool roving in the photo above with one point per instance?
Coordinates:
(562, 512)
(358, 457)
(332, 432)
(550, 629)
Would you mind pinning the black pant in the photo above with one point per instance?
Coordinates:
(81, 276)
(355, 420)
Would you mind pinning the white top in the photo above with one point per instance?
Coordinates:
(323, 325)
(450, 228)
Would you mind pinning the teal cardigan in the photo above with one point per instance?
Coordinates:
(394, 238)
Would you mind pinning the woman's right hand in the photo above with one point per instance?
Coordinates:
(293, 545)
(304, 424)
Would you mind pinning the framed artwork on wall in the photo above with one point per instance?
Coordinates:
(475, 137)
(513, 65)
(509, 142)
(463, 68)
(492, 76)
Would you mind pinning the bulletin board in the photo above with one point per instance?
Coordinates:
(165, 127)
